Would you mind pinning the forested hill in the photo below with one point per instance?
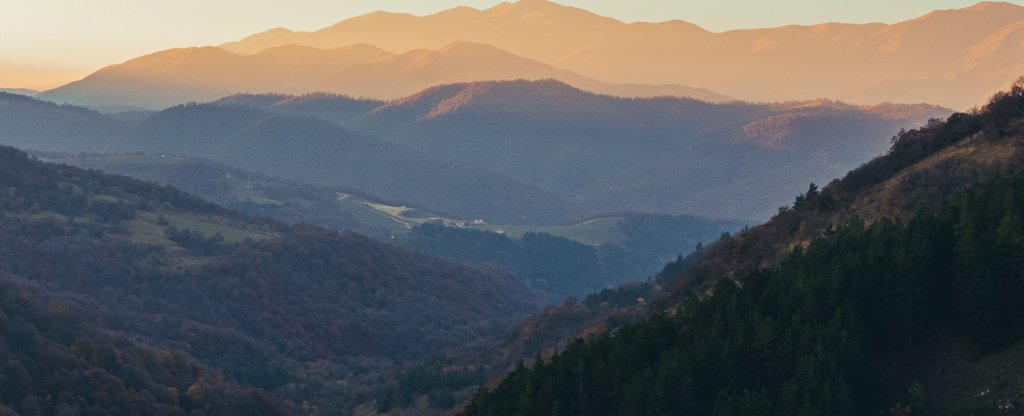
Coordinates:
(918, 314)
(123, 297)
(923, 169)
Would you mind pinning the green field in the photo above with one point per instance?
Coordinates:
(369, 214)
(145, 227)
(596, 231)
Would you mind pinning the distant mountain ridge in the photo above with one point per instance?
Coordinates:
(659, 155)
(954, 58)
(179, 76)
(520, 129)
(510, 152)
(20, 91)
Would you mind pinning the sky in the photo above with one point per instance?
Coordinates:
(46, 43)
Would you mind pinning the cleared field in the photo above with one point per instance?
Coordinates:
(596, 231)
(367, 213)
(146, 227)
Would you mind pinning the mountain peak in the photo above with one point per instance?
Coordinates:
(545, 8)
(276, 32)
(466, 47)
(985, 8)
(988, 5)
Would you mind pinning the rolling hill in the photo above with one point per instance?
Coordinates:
(661, 155)
(954, 58)
(19, 91)
(297, 148)
(40, 125)
(168, 301)
(511, 152)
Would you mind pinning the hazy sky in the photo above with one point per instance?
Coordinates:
(44, 43)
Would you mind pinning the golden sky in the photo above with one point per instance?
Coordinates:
(45, 43)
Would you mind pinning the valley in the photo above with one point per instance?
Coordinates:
(521, 208)
(262, 195)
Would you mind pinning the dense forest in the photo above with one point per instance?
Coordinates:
(813, 335)
(923, 168)
(915, 311)
(55, 364)
(296, 311)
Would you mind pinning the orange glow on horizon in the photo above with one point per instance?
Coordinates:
(51, 42)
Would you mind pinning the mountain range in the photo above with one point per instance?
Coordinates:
(649, 155)
(954, 58)
(512, 152)
(178, 76)
(174, 304)
(504, 159)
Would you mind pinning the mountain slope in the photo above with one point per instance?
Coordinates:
(287, 309)
(178, 76)
(29, 123)
(924, 168)
(865, 314)
(291, 147)
(863, 319)
(331, 107)
(288, 201)
(659, 155)
(935, 58)
(319, 152)
(562, 268)
(513, 152)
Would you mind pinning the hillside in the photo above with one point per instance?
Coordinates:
(292, 147)
(295, 311)
(516, 152)
(562, 268)
(954, 58)
(331, 107)
(661, 155)
(924, 168)
(251, 193)
(913, 278)
(179, 76)
(30, 123)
